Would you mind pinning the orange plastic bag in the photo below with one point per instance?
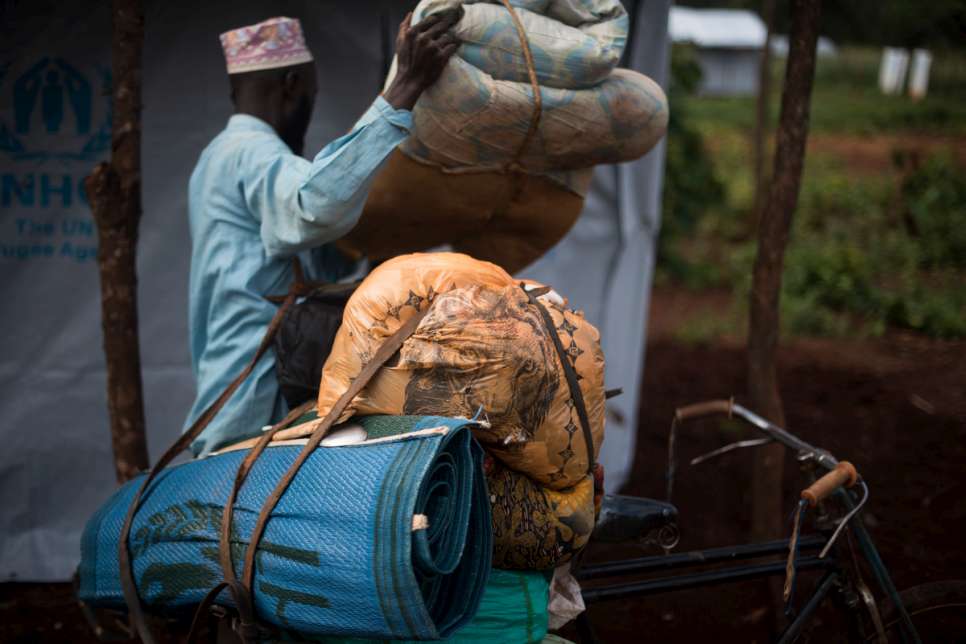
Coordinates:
(482, 349)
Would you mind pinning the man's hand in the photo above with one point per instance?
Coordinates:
(421, 53)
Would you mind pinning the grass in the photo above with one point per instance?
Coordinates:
(879, 236)
(846, 99)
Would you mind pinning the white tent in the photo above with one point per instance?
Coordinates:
(717, 28)
(56, 467)
(728, 43)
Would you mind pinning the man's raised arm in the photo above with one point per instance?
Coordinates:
(301, 204)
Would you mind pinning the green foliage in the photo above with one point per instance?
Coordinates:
(934, 197)
(870, 249)
(690, 183)
(853, 266)
(846, 98)
(701, 330)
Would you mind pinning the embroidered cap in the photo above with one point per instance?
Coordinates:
(276, 42)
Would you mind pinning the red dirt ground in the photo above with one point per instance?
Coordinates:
(896, 407)
(870, 155)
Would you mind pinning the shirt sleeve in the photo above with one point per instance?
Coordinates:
(301, 204)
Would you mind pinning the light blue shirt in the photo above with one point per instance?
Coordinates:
(252, 205)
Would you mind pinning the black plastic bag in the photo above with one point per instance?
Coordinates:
(304, 341)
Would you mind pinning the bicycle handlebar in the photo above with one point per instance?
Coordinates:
(843, 474)
(839, 473)
(730, 408)
(707, 408)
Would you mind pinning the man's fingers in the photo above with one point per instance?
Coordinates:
(452, 16)
(432, 34)
(446, 38)
(403, 32)
(427, 23)
(404, 27)
(447, 50)
(442, 23)
(444, 53)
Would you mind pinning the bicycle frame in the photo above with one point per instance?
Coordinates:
(689, 578)
(685, 565)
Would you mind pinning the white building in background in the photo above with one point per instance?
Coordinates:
(729, 44)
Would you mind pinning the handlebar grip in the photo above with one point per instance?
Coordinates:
(843, 474)
(708, 408)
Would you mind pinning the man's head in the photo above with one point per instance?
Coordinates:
(272, 76)
(282, 97)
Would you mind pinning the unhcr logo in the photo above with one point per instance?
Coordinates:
(53, 111)
(55, 123)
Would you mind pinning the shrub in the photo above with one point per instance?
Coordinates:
(691, 186)
(933, 194)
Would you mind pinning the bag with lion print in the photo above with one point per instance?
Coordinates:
(484, 351)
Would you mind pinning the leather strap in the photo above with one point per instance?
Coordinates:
(241, 589)
(569, 372)
(128, 585)
(243, 600)
(203, 607)
(385, 352)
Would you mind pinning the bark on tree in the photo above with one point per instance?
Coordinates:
(760, 133)
(114, 192)
(773, 231)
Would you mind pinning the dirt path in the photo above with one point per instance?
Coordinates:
(895, 407)
(870, 155)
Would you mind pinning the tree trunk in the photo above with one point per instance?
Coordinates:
(773, 231)
(114, 192)
(760, 133)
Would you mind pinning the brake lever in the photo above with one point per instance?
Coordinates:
(845, 521)
(753, 442)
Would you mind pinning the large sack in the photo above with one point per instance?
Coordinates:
(510, 219)
(478, 113)
(482, 348)
(467, 119)
(575, 43)
(486, 176)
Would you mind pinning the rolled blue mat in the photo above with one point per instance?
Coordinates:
(339, 556)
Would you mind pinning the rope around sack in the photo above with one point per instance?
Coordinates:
(514, 165)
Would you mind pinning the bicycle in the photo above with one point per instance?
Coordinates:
(932, 612)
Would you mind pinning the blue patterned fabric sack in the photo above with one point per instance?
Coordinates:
(477, 116)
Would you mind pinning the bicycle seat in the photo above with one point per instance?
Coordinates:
(632, 518)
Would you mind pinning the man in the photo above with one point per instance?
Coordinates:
(254, 203)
